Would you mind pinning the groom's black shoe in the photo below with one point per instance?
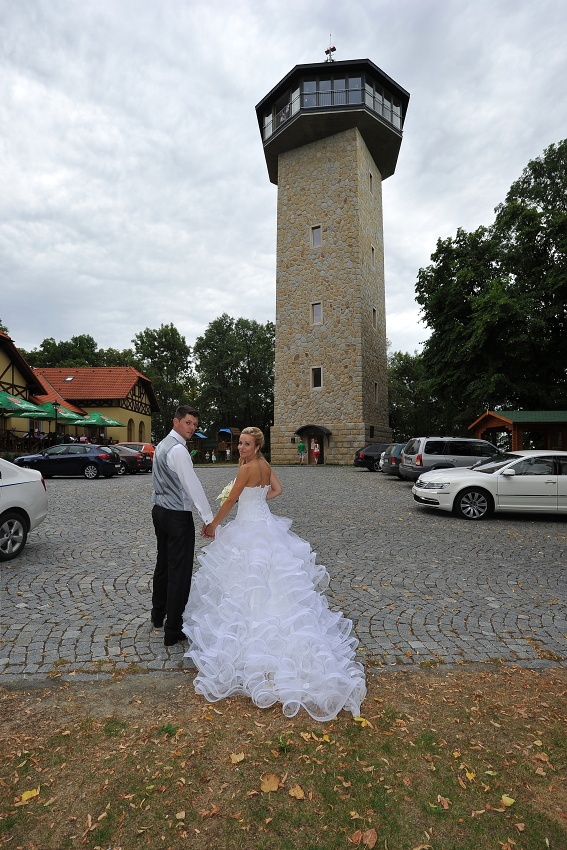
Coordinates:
(174, 637)
(157, 621)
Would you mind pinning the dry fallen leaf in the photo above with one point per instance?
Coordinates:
(210, 812)
(443, 801)
(363, 722)
(297, 792)
(26, 797)
(507, 801)
(369, 838)
(270, 782)
(236, 757)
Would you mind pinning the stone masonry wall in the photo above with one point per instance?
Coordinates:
(327, 184)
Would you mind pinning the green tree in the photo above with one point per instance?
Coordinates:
(114, 357)
(165, 358)
(495, 301)
(80, 350)
(234, 360)
(408, 393)
(3, 327)
(532, 227)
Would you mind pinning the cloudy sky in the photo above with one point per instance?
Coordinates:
(133, 185)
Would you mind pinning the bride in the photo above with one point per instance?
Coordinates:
(257, 620)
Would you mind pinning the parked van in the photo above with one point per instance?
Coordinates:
(422, 454)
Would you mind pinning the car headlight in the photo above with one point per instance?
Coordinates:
(432, 485)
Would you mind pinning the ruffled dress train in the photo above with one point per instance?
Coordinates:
(259, 624)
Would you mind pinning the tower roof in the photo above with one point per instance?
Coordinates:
(320, 99)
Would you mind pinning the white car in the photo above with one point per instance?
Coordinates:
(533, 481)
(23, 505)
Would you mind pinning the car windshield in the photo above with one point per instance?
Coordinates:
(494, 463)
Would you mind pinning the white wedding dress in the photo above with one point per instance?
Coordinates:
(259, 624)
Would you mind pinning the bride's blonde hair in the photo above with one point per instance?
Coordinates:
(258, 437)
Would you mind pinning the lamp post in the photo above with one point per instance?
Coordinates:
(56, 406)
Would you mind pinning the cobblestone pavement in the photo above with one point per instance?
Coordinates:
(422, 587)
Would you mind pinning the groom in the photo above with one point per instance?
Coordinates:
(177, 491)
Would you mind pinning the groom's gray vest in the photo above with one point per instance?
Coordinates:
(168, 491)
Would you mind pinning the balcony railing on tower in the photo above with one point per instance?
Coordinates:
(334, 93)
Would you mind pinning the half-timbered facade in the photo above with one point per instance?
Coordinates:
(16, 376)
(120, 392)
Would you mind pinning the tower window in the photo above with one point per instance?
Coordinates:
(370, 181)
(316, 377)
(316, 236)
(376, 392)
(316, 313)
(374, 318)
(373, 255)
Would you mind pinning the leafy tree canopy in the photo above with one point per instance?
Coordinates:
(80, 350)
(234, 360)
(166, 359)
(495, 301)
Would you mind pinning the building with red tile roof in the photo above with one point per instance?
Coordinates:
(119, 392)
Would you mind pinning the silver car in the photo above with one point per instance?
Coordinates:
(530, 481)
(23, 505)
(423, 454)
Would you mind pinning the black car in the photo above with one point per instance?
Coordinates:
(73, 459)
(132, 461)
(370, 456)
(392, 459)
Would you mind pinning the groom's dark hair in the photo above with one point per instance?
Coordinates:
(186, 410)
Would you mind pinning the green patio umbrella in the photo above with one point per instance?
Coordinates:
(96, 418)
(11, 405)
(50, 413)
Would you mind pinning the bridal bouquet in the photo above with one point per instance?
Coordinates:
(225, 492)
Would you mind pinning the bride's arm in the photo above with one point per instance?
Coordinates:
(275, 486)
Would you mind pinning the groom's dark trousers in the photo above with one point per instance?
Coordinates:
(175, 533)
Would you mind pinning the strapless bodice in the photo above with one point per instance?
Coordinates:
(252, 504)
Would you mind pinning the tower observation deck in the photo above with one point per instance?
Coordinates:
(317, 100)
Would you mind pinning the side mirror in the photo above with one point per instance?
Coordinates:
(508, 473)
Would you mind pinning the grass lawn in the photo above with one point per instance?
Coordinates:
(468, 758)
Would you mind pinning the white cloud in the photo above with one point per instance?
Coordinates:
(134, 187)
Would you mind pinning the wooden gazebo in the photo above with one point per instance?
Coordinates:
(542, 429)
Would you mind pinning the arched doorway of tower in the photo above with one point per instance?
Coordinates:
(316, 438)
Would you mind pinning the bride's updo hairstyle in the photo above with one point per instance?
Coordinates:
(257, 434)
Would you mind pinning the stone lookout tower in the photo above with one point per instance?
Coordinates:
(331, 132)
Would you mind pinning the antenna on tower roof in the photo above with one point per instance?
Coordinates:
(330, 50)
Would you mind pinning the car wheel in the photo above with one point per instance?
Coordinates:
(13, 535)
(123, 468)
(473, 503)
(375, 465)
(91, 471)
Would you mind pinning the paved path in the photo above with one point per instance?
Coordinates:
(422, 588)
